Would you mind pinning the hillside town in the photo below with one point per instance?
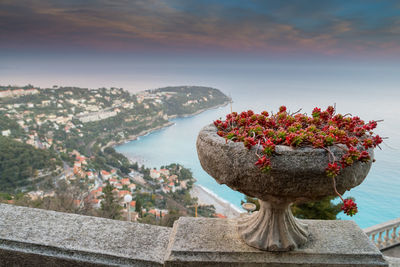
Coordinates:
(78, 128)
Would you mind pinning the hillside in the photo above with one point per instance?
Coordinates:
(187, 100)
(56, 146)
(20, 162)
(78, 123)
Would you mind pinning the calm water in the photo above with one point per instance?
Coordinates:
(378, 197)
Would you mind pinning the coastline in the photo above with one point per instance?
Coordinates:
(165, 125)
(198, 111)
(206, 197)
(136, 136)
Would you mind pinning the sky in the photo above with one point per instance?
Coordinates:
(93, 42)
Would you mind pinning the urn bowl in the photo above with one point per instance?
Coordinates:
(296, 173)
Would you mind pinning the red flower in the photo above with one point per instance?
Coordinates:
(269, 147)
(316, 112)
(364, 156)
(249, 142)
(368, 142)
(377, 140)
(282, 109)
(264, 163)
(349, 207)
(217, 123)
(324, 115)
(261, 161)
(265, 113)
(332, 170)
(330, 110)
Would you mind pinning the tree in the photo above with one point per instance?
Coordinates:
(110, 207)
(148, 219)
(171, 217)
(324, 209)
(135, 166)
(138, 207)
(109, 150)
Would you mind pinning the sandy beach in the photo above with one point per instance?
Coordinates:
(223, 207)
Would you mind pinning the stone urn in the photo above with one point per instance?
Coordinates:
(297, 175)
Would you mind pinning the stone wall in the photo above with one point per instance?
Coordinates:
(33, 237)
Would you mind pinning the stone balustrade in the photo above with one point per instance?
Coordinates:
(385, 235)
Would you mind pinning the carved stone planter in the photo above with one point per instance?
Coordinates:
(296, 175)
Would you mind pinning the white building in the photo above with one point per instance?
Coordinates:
(6, 133)
(154, 174)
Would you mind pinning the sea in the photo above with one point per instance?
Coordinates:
(368, 93)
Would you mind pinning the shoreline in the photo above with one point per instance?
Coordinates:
(134, 137)
(207, 197)
(198, 111)
(165, 125)
(204, 195)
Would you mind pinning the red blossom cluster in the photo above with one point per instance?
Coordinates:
(321, 130)
(349, 207)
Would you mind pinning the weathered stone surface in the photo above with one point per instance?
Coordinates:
(215, 242)
(273, 228)
(33, 237)
(295, 174)
(392, 261)
(393, 251)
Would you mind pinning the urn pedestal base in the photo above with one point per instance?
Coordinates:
(216, 242)
(273, 228)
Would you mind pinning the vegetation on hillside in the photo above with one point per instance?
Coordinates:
(19, 162)
(189, 99)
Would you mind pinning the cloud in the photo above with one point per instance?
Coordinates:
(322, 27)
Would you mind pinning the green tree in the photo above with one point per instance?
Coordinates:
(171, 217)
(148, 219)
(138, 207)
(324, 209)
(110, 207)
(19, 162)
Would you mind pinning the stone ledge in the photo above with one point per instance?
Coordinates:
(33, 237)
(204, 241)
(30, 236)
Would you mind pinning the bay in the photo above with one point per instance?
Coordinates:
(378, 197)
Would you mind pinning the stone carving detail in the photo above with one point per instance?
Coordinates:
(297, 175)
(261, 229)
